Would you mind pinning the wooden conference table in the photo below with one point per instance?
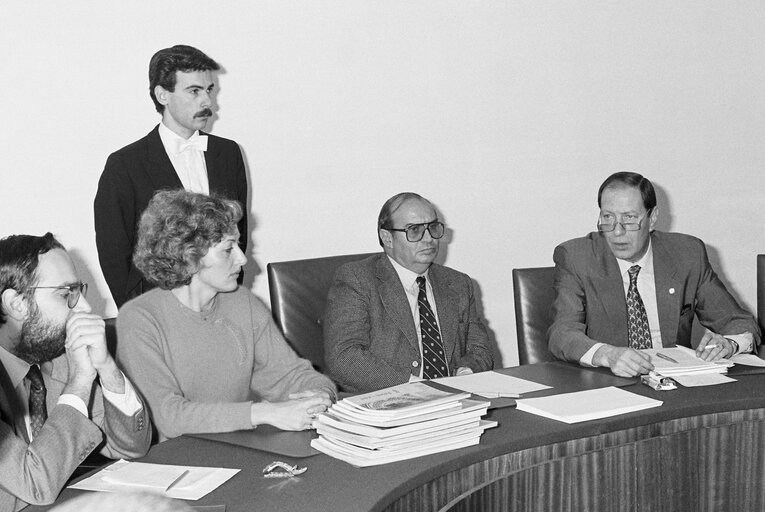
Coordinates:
(704, 449)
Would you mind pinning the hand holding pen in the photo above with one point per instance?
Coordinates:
(713, 347)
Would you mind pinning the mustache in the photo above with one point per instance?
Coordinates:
(205, 112)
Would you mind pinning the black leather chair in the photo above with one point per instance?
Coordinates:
(533, 294)
(111, 335)
(298, 291)
(761, 291)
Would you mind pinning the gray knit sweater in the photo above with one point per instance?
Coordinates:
(200, 371)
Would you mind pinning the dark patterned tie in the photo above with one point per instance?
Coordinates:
(38, 413)
(37, 410)
(637, 320)
(433, 357)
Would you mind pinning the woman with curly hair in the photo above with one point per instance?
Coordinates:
(203, 351)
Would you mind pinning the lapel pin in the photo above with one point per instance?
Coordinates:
(671, 291)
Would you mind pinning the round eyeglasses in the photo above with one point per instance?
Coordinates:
(415, 232)
(73, 292)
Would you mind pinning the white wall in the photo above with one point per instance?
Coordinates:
(507, 114)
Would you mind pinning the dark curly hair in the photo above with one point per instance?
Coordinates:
(19, 258)
(166, 62)
(176, 231)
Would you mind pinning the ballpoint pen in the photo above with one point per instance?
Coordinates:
(666, 358)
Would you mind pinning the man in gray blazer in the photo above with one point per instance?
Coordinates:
(397, 316)
(53, 413)
(627, 287)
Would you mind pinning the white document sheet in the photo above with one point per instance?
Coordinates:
(748, 360)
(491, 384)
(587, 405)
(181, 482)
(702, 379)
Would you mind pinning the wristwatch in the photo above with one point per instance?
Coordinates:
(735, 347)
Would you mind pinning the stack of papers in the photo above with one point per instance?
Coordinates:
(587, 405)
(670, 362)
(402, 422)
(682, 365)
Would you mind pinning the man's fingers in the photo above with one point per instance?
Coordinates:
(632, 363)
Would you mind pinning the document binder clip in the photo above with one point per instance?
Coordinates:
(657, 382)
(289, 471)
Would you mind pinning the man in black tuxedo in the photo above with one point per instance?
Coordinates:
(175, 154)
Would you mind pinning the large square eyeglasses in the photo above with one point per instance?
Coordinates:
(415, 232)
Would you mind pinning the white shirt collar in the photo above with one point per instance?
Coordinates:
(646, 263)
(407, 277)
(170, 139)
(15, 367)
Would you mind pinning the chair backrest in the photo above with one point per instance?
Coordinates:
(761, 291)
(111, 335)
(298, 291)
(533, 294)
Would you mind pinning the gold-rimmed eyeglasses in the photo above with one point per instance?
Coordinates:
(610, 224)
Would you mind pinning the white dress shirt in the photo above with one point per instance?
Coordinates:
(188, 161)
(412, 290)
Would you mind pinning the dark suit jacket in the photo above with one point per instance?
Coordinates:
(131, 177)
(590, 305)
(370, 337)
(36, 472)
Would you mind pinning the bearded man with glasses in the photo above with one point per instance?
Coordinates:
(627, 287)
(53, 410)
(397, 316)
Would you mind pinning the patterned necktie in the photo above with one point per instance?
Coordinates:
(37, 410)
(638, 331)
(433, 357)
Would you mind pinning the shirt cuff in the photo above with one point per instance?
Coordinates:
(745, 341)
(74, 401)
(463, 370)
(127, 402)
(586, 359)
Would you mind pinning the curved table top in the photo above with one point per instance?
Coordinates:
(330, 484)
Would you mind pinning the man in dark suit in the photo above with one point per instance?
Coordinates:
(53, 413)
(175, 154)
(628, 287)
(397, 316)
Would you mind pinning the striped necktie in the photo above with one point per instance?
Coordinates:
(433, 357)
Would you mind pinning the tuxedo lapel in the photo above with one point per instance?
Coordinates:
(394, 300)
(447, 310)
(668, 290)
(211, 161)
(607, 281)
(160, 170)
